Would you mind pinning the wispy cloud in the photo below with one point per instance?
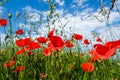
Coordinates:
(79, 2)
(79, 22)
(2, 36)
(60, 2)
(118, 4)
(2, 10)
(32, 15)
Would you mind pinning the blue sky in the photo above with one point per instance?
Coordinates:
(75, 11)
(41, 5)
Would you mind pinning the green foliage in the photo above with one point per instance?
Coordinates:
(56, 66)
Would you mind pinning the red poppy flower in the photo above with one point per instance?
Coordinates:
(20, 42)
(69, 44)
(113, 44)
(3, 22)
(99, 39)
(33, 45)
(20, 51)
(57, 42)
(27, 41)
(9, 64)
(50, 45)
(19, 68)
(41, 40)
(6, 65)
(87, 67)
(77, 36)
(51, 33)
(86, 41)
(118, 43)
(46, 52)
(102, 52)
(19, 32)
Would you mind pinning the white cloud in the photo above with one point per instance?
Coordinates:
(30, 9)
(60, 3)
(72, 6)
(79, 2)
(60, 12)
(86, 26)
(2, 11)
(118, 3)
(114, 17)
(78, 22)
(25, 26)
(108, 34)
(2, 37)
(32, 15)
(1, 8)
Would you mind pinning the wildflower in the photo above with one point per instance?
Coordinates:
(20, 42)
(21, 51)
(102, 52)
(50, 45)
(77, 37)
(27, 41)
(41, 40)
(33, 45)
(118, 44)
(69, 44)
(86, 41)
(51, 33)
(6, 65)
(9, 64)
(3, 22)
(99, 39)
(19, 32)
(87, 67)
(46, 52)
(113, 44)
(19, 69)
(57, 42)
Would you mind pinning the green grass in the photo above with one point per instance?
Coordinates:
(56, 66)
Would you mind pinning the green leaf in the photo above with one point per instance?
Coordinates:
(118, 64)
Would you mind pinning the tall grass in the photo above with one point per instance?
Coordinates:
(60, 65)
